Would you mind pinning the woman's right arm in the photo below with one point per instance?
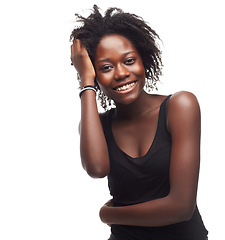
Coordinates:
(93, 146)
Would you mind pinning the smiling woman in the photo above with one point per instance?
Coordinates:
(116, 22)
(119, 69)
(147, 145)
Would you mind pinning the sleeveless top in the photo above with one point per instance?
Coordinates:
(135, 180)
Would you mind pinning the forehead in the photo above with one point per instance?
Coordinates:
(113, 44)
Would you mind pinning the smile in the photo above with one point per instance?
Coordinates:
(125, 87)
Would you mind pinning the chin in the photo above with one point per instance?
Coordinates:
(127, 100)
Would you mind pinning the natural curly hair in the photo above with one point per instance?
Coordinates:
(131, 26)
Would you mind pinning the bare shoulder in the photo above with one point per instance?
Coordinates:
(183, 107)
(183, 100)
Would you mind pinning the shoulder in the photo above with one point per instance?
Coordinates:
(183, 101)
(183, 107)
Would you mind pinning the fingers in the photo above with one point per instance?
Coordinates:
(77, 49)
(74, 49)
(81, 61)
(110, 203)
(76, 46)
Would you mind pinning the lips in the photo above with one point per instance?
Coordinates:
(125, 87)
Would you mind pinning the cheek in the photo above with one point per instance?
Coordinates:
(104, 83)
(105, 90)
(104, 79)
(140, 73)
(140, 70)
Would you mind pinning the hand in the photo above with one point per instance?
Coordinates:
(103, 210)
(109, 203)
(82, 63)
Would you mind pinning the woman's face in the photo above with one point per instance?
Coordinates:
(119, 69)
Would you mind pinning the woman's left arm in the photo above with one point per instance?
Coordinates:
(184, 124)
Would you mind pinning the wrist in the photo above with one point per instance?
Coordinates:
(87, 87)
(87, 81)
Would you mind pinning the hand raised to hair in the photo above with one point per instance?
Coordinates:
(82, 62)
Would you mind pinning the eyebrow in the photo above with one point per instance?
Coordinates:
(107, 59)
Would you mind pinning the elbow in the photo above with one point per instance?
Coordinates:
(181, 209)
(186, 213)
(97, 171)
(97, 174)
(96, 167)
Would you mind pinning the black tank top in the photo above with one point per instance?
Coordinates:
(135, 180)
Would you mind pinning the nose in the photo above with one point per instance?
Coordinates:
(121, 72)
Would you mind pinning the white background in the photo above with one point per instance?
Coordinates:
(44, 192)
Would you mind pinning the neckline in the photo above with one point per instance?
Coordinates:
(151, 145)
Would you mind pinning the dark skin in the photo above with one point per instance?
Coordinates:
(121, 75)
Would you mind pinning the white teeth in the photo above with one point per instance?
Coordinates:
(125, 87)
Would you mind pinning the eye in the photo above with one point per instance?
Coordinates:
(130, 61)
(105, 68)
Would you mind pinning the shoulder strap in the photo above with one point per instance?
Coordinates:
(106, 121)
(163, 115)
(166, 104)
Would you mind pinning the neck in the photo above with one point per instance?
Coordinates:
(135, 109)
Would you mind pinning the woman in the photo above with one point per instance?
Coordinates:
(148, 145)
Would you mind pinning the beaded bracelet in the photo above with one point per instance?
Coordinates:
(88, 87)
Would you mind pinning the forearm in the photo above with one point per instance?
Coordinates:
(93, 147)
(159, 212)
